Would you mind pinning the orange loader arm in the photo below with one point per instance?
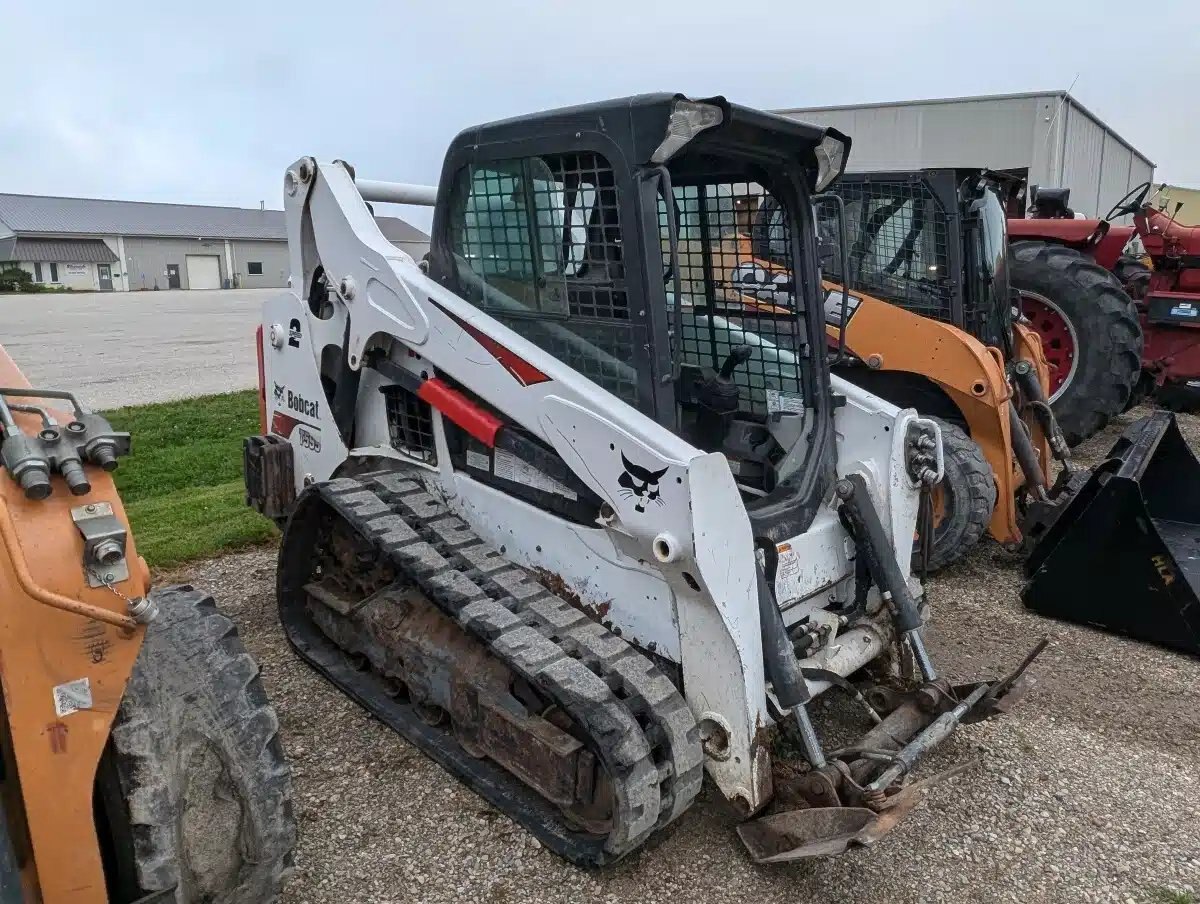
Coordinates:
(889, 338)
(52, 659)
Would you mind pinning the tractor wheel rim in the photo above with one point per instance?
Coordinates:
(1059, 340)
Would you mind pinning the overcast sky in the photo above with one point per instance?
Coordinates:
(209, 104)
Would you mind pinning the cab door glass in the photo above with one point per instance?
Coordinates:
(537, 244)
(731, 293)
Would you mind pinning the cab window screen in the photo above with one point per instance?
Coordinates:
(537, 244)
(899, 248)
(733, 296)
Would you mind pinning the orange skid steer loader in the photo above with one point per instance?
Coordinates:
(1114, 546)
(139, 757)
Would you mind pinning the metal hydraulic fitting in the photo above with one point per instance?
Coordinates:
(25, 460)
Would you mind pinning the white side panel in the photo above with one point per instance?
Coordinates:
(871, 437)
(812, 565)
(615, 590)
(653, 503)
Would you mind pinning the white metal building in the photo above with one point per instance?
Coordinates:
(91, 244)
(1050, 136)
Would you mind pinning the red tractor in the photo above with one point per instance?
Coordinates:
(1165, 295)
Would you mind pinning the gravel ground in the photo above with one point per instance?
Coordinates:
(1089, 791)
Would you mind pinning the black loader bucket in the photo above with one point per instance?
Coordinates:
(1124, 552)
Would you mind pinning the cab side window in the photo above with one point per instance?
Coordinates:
(537, 244)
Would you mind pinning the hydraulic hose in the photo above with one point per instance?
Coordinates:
(1025, 453)
(1026, 378)
(47, 597)
(791, 689)
(872, 543)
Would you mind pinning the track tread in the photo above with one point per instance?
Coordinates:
(643, 729)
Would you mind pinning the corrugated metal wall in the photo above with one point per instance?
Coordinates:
(1052, 136)
(272, 255)
(1098, 166)
(994, 132)
(147, 259)
(1080, 168)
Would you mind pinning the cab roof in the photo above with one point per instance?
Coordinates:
(638, 124)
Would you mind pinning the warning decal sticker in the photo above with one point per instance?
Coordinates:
(510, 467)
(72, 697)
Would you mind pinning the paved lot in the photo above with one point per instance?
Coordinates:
(130, 348)
(1088, 792)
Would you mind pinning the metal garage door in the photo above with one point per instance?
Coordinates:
(203, 272)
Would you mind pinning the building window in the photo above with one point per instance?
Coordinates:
(37, 272)
(54, 273)
(254, 268)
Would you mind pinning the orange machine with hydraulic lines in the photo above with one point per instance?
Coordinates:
(100, 734)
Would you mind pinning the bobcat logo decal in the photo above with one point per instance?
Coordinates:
(640, 483)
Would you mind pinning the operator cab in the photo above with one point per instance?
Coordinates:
(934, 242)
(616, 236)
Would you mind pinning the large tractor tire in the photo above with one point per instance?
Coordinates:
(964, 500)
(193, 793)
(1089, 329)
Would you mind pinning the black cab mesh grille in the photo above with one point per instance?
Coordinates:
(899, 245)
(537, 242)
(732, 295)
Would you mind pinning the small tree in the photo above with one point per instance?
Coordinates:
(14, 279)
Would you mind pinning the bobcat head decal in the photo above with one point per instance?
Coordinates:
(640, 484)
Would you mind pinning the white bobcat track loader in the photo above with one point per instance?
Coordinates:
(566, 528)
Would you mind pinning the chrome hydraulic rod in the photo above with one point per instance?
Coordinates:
(932, 735)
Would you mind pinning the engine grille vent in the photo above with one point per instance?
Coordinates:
(410, 424)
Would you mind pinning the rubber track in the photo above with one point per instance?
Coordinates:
(635, 719)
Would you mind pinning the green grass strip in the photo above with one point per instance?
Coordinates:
(182, 485)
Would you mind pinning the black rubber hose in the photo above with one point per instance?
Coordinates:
(1031, 387)
(872, 543)
(782, 666)
(344, 403)
(1025, 453)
